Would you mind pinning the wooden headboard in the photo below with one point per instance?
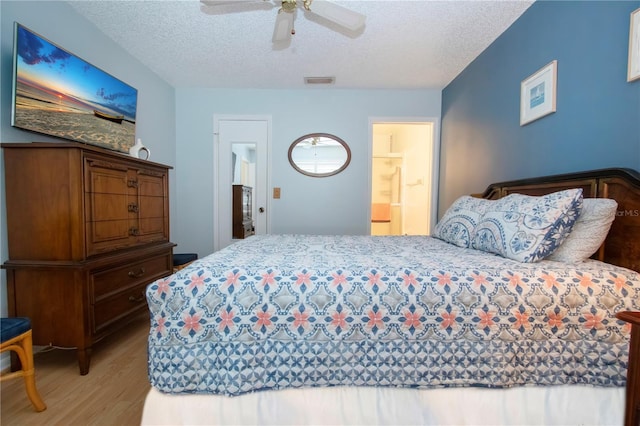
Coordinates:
(622, 246)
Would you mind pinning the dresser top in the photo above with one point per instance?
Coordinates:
(77, 145)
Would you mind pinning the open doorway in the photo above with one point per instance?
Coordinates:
(402, 177)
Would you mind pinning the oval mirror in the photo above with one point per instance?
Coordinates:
(319, 155)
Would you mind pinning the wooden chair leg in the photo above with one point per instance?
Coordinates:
(23, 346)
(30, 374)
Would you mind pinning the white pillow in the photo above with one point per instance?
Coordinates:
(589, 231)
(528, 228)
(459, 221)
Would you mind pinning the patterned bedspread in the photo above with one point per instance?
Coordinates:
(283, 311)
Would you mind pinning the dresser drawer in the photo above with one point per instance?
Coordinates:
(117, 306)
(114, 280)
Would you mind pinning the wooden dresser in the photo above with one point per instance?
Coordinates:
(242, 212)
(87, 230)
(632, 410)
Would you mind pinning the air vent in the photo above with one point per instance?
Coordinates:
(319, 80)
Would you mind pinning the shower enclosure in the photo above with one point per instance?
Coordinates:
(387, 195)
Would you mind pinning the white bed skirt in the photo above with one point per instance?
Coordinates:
(557, 405)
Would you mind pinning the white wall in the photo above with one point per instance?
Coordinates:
(331, 205)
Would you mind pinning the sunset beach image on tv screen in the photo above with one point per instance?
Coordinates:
(58, 94)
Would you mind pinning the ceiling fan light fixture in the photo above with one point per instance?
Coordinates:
(284, 26)
(342, 16)
(319, 80)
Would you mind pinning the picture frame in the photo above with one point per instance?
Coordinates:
(59, 94)
(538, 93)
(633, 69)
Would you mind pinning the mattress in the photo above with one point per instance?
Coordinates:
(294, 311)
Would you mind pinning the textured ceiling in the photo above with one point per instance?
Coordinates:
(405, 44)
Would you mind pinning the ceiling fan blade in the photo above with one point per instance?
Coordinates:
(283, 27)
(223, 2)
(221, 7)
(339, 15)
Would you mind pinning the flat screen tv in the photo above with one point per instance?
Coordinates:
(58, 94)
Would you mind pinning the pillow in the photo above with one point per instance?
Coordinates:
(459, 221)
(526, 228)
(589, 231)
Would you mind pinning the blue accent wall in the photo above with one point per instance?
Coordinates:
(597, 123)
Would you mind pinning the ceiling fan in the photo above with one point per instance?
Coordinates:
(318, 141)
(283, 30)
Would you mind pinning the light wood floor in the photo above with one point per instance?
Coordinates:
(111, 394)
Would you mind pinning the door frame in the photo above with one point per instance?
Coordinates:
(216, 158)
(435, 160)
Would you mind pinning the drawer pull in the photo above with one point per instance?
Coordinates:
(133, 231)
(134, 299)
(132, 183)
(133, 208)
(137, 274)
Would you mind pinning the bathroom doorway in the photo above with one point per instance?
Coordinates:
(402, 177)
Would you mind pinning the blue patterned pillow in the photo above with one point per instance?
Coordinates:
(527, 228)
(459, 221)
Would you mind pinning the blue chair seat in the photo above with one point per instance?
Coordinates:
(184, 258)
(13, 327)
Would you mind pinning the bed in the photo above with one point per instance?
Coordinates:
(445, 329)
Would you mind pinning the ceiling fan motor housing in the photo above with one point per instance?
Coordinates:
(289, 6)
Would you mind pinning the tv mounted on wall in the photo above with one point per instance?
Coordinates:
(56, 93)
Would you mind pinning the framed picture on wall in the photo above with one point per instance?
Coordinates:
(538, 93)
(633, 70)
(57, 93)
